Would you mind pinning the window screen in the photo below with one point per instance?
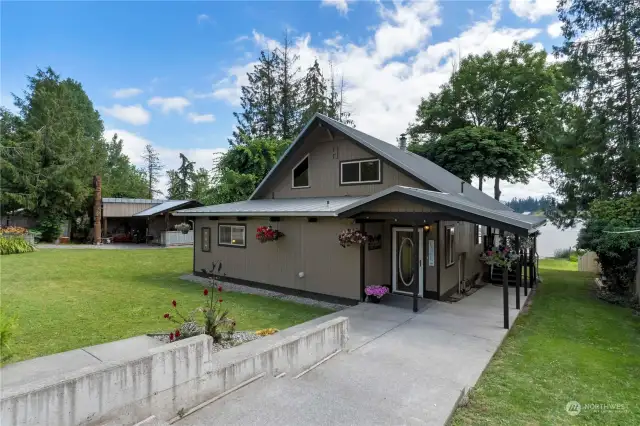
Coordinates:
(232, 235)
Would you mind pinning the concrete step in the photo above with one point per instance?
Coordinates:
(152, 421)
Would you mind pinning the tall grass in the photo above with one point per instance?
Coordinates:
(14, 245)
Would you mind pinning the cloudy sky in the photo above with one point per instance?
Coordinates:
(170, 73)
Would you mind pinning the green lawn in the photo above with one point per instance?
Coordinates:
(67, 299)
(570, 346)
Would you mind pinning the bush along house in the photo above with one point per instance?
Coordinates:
(342, 210)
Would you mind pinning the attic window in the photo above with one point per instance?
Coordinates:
(360, 171)
(300, 174)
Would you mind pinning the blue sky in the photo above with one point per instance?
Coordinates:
(169, 73)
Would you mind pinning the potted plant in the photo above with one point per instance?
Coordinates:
(183, 227)
(353, 236)
(375, 292)
(267, 233)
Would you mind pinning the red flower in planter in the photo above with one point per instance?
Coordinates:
(206, 291)
(171, 337)
(167, 316)
(220, 300)
(174, 303)
(177, 333)
(220, 288)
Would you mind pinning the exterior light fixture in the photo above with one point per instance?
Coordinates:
(426, 228)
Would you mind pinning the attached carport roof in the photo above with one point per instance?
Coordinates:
(455, 204)
(167, 206)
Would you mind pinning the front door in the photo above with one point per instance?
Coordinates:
(405, 279)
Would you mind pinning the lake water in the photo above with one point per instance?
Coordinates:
(552, 238)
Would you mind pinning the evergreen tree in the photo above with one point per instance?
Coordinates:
(201, 186)
(314, 93)
(597, 152)
(289, 83)
(152, 169)
(120, 178)
(180, 180)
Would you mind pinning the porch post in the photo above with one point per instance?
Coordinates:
(531, 267)
(505, 295)
(533, 260)
(416, 267)
(518, 271)
(362, 268)
(523, 257)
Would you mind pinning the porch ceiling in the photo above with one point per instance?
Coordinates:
(448, 206)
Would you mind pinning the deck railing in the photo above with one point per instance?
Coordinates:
(176, 238)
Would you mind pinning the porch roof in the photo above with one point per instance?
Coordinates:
(166, 206)
(321, 206)
(457, 205)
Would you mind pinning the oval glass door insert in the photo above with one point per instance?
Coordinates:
(404, 261)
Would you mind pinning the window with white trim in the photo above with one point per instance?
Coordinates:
(449, 245)
(232, 235)
(360, 171)
(300, 174)
(478, 232)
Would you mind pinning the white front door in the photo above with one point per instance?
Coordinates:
(404, 277)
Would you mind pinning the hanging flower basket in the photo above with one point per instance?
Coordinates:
(353, 236)
(267, 233)
(183, 227)
(501, 256)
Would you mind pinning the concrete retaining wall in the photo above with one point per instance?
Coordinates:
(171, 378)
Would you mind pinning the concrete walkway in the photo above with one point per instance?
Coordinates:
(401, 369)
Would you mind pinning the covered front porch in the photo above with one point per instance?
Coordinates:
(426, 244)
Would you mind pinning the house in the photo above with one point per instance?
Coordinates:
(426, 226)
(153, 221)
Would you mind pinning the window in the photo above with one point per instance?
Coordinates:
(360, 171)
(449, 245)
(232, 235)
(477, 232)
(300, 174)
(205, 244)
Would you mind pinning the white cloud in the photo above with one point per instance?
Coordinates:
(133, 147)
(533, 9)
(201, 118)
(132, 114)
(535, 188)
(175, 103)
(341, 5)
(126, 93)
(555, 29)
(203, 18)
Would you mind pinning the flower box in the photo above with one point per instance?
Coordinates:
(267, 233)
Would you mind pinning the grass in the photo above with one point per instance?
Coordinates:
(68, 299)
(569, 346)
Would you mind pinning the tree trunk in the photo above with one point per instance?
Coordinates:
(480, 179)
(496, 189)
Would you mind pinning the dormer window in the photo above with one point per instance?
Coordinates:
(360, 171)
(300, 174)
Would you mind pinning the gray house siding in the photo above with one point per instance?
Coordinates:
(310, 248)
(325, 156)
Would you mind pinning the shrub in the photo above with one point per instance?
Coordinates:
(49, 228)
(616, 250)
(14, 245)
(563, 253)
(7, 329)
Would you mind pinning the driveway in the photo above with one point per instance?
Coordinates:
(401, 369)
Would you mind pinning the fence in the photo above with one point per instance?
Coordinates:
(588, 262)
(176, 238)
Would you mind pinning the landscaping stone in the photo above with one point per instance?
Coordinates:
(237, 338)
(239, 288)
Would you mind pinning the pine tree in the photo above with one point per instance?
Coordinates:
(180, 180)
(315, 93)
(152, 168)
(289, 85)
(201, 186)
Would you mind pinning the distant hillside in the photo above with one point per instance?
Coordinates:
(530, 204)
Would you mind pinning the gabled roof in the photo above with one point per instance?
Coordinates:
(412, 164)
(166, 206)
(325, 206)
(456, 204)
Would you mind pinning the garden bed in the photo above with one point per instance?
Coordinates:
(237, 338)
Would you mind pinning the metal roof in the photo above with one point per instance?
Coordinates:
(165, 206)
(457, 202)
(421, 168)
(322, 206)
(132, 200)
